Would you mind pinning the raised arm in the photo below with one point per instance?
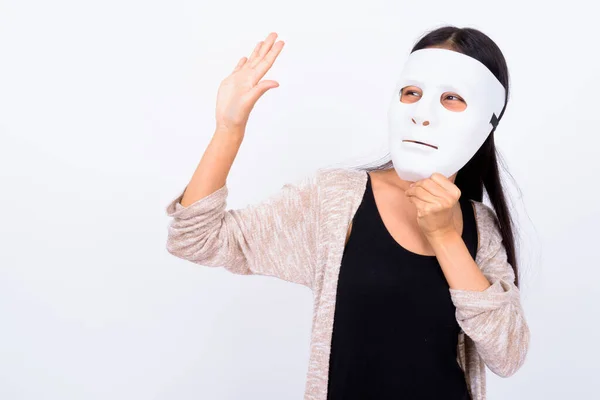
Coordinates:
(236, 97)
(276, 237)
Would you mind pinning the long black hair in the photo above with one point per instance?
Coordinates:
(482, 170)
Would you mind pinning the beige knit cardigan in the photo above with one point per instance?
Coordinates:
(299, 235)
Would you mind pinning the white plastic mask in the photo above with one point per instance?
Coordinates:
(446, 139)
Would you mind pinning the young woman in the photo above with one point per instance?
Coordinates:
(414, 279)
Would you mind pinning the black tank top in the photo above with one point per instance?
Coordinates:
(395, 332)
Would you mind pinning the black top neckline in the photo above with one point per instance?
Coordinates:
(468, 221)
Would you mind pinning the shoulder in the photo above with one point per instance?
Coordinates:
(336, 173)
(485, 215)
(487, 225)
(338, 179)
(326, 184)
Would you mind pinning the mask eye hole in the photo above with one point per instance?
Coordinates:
(453, 102)
(410, 94)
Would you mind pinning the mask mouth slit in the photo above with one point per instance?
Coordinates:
(424, 144)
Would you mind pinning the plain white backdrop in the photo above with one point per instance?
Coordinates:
(105, 110)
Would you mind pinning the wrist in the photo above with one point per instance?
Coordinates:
(230, 131)
(442, 235)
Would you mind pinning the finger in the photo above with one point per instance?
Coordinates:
(255, 52)
(446, 184)
(432, 187)
(422, 206)
(240, 64)
(422, 194)
(267, 62)
(264, 49)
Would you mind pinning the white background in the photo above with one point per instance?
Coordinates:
(105, 110)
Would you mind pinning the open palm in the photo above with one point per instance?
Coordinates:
(239, 92)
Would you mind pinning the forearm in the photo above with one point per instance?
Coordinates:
(215, 164)
(458, 266)
(489, 312)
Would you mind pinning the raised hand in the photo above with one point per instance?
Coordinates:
(239, 92)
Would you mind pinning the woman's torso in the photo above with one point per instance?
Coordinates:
(395, 332)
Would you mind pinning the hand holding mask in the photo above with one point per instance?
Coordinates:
(434, 198)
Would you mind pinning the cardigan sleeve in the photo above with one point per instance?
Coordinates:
(276, 237)
(494, 318)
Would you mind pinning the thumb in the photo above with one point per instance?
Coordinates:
(257, 91)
